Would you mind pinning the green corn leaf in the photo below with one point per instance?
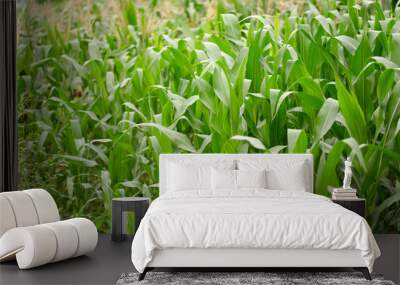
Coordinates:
(356, 151)
(387, 63)
(177, 138)
(181, 104)
(327, 175)
(132, 184)
(297, 141)
(231, 146)
(349, 43)
(101, 141)
(361, 56)
(232, 26)
(86, 162)
(395, 48)
(213, 51)
(130, 13)
(325, 118)
(254, 142)
(383, 206)
(81, 69)
(206, 141)
(352, 113)
(385, 84)
(70, 187)
(134, 108)
(100, 153)
(277, 99)
(222, 86)
(313, 88)
(277, 148)
(205, 91)
(325, 23)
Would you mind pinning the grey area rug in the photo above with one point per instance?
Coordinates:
(233, 278)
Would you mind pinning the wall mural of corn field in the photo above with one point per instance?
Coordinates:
(106, 86)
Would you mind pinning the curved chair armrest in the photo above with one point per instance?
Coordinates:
(32, 246)
(40, 244)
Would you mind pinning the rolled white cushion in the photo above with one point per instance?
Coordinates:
(23, 208)
(87, 235)
(33, 246)
(45, 205)
(7, 218)
(67, 240)
(26, 208)
(40, 244)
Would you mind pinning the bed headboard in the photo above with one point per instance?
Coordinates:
(213, 159)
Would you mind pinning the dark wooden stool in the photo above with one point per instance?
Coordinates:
(357, 205)
(138, 205)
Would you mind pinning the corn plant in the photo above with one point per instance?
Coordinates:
(98, 106)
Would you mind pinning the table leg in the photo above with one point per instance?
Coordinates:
(140, 211)
(116, 232)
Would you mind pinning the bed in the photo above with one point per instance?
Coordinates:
(246, 211)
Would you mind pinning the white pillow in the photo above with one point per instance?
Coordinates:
(293, 179)
(182, 177)
(223, 179)
(251, 178)
(228, 179)
(281, 174)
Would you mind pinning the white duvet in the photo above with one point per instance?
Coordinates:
(250, 219)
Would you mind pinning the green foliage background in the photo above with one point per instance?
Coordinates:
(106, 86)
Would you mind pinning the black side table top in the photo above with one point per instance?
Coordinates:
(138, 205)
(356, 205)
(130, 199)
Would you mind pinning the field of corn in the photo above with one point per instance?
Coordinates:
(106, 86)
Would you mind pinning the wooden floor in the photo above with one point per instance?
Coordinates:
(110, 259)
(103, 266)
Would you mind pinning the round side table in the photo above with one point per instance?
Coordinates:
(138, 205)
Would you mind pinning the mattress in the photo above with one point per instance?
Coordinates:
(250, 219)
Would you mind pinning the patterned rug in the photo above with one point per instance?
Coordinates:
(244, 278)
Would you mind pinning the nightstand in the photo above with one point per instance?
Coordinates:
(357, 205)
(138, 205)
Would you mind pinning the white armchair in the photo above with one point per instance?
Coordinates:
(31, 230)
